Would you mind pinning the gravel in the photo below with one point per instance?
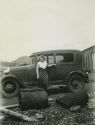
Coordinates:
(56, 115)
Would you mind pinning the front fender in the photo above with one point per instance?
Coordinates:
(82, 74)
(12, 76)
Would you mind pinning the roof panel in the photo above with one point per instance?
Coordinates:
(54, 51)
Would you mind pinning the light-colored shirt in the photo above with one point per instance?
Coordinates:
(42, 65)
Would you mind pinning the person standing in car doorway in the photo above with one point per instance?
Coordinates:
(41, 71)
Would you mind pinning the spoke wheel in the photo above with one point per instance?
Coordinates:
(10, 87)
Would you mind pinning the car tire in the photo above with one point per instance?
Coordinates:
(76, 83)
(10, 87)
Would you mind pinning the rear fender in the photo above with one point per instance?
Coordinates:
(80, 73)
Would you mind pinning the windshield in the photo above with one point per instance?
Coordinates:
(33, 60)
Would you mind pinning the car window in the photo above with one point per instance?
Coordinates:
(59, 58)
(50, 59)
(68, 57)
(64, 58)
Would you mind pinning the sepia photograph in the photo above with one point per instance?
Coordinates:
(47, 62)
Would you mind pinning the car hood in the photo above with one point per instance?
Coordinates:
(24, 74)
(15, 68)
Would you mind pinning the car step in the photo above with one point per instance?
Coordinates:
(56, 86)
(56, 89)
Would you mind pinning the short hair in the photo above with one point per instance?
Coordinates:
(42, 56)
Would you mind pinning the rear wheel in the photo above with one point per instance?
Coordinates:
(76, 83)
(10, 87)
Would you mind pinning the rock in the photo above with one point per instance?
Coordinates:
(73, 99)
(2, 117)
(39, 116)
(75, 108)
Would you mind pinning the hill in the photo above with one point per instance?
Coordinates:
(24, 60)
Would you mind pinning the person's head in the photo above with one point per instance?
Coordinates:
(42, 58)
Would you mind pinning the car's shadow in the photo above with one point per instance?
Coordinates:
(57, 90)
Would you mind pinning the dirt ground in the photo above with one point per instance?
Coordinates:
(55, 114)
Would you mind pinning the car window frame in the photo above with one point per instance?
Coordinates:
(58, 53)
(51, 54)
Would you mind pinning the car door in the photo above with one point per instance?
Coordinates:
(64, 64)
(52, 69)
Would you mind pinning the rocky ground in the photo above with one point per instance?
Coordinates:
(57, 115)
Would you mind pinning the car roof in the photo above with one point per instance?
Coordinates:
(55, 51)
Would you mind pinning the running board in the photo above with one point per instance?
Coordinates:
(57, 82)
(56, 86)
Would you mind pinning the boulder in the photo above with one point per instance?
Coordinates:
(73, 99)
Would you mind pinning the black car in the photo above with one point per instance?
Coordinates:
(67, 72)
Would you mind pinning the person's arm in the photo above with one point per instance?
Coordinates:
(37, 71)
(50, 65)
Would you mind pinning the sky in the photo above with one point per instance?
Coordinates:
(27, 26)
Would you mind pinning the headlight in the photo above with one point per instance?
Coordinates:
(7, 70)
(87, 73)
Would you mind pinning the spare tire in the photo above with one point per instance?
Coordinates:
(34, 98)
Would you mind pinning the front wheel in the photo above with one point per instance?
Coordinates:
(76, 83)
(10, 87)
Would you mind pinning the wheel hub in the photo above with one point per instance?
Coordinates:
(9, 87)
(76, 84)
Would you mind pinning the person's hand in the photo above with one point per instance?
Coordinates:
(54, 64)
(51, 65)
(37, 77)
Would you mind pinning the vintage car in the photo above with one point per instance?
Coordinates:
(67, 72)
